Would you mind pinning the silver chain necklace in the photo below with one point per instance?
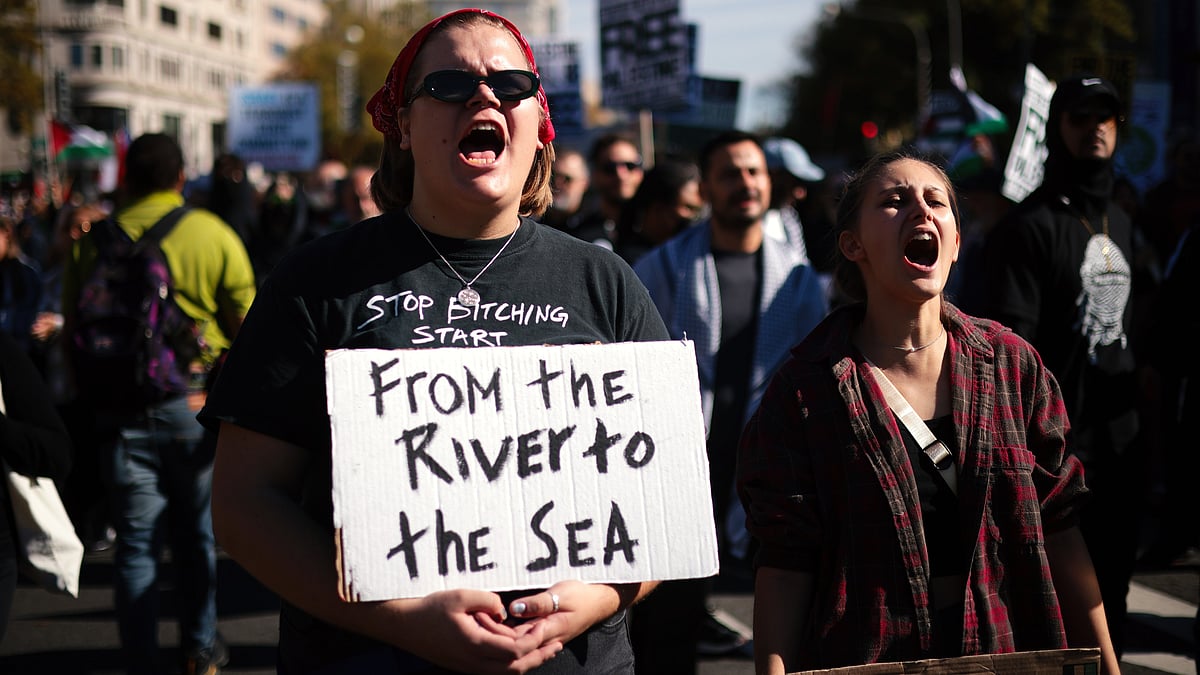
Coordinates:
(467, 297)
(927, 345)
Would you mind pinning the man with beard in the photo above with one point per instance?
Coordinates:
(1058, 272)
(741, 291)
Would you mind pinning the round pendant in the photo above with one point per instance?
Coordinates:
(468, 297)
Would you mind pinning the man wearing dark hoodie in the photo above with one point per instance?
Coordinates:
(1058, 273)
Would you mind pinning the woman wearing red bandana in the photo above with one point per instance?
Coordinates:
(466, 163)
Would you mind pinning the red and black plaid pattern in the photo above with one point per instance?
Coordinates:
(829, 489)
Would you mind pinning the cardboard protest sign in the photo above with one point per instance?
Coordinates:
(506, 468)
(1026, 159)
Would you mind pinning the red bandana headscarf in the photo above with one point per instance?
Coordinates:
(386, 102)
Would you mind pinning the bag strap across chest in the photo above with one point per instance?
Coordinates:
(157, 232)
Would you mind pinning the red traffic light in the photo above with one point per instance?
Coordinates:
(869, 129)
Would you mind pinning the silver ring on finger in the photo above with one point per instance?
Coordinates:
(554, 599)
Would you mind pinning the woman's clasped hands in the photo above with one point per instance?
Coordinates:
(474, 631)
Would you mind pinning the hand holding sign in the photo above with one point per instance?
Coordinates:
(515, 467)
(460, 630)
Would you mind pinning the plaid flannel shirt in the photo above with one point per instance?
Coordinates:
(828, 489)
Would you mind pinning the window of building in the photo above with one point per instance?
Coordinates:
(118, 59)
(97, 56)
(302, 23)
(278, 49)
(278, 15)
(76, 56)
(168, 69)
(171, 126)
(218, 138)
(103, 118)
(168, 16)
(239, 39)
(214, 31)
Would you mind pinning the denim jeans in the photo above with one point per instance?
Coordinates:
(159, 476)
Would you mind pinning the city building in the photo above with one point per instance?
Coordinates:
(166, 66)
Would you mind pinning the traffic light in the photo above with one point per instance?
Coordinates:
(869, 130)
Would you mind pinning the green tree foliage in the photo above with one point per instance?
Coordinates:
(20, 85)
(379, 39)
(863, 65)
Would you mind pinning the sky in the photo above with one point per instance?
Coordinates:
(750, 40)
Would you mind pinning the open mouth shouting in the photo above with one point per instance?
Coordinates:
(483, 144)
(922, 250)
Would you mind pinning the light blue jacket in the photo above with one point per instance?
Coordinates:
(682, 279)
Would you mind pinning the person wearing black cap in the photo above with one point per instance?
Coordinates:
(1058, 273)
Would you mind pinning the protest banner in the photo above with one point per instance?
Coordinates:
(1023, 171)
(559, 68)
(505, 468)
(1143, 148)
(276, 125)
(645, 58)
(1078, 661)
(712, 104)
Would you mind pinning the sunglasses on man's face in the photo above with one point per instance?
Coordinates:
(611, 168)
(458, 86)
(1082, 118)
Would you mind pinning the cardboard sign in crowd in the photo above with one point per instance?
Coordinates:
(511, 468)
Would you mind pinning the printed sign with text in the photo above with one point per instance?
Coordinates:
(1023, 171)
(644, 54)
(505, 468)
(276, 125)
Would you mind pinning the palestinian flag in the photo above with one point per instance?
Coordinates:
(983, 117)
(77, 143)
(956, 117)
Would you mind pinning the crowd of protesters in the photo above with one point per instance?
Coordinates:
(707, 232)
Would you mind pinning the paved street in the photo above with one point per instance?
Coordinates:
(52, 635)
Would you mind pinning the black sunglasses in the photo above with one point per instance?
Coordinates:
(611, 167)
(458, 86)
(1079, 118)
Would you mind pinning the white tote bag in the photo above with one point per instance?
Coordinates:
(52, 553)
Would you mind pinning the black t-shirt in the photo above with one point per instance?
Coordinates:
(379, 284)
(1068, 291)
(939, 505)
(739, 276)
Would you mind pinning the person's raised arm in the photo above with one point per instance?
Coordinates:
(260, 523)
(1079, 596)
(782, 599)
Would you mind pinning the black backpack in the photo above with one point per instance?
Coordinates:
(132, 345)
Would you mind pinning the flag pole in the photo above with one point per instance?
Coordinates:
(646, 136)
